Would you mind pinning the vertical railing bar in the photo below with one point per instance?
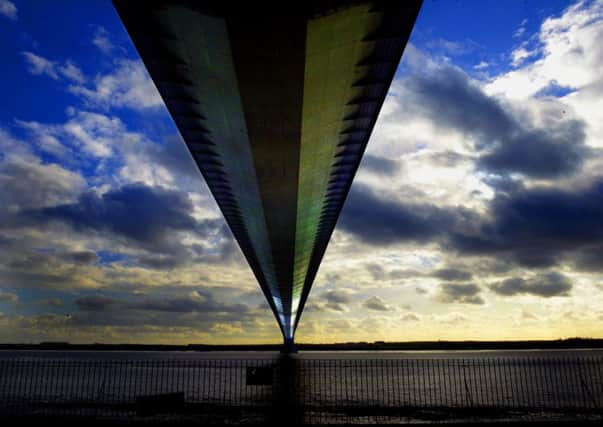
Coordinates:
(442, 400)
(55, 381)
(357, 381)
(346, 386)
(515, 401)
(60, 382)
(135, 380)
(214, 391)
(505, 374)
(423, 382)
(482, 383)
(487, 382)
(392, 380)
(81, 380)
(122, 381)
(564, 380)
(475, 381)
(532, 376)
(411, 382)
(194, 375)
(33, 370)
(512, 371)
(398, 384)
(378, 385)
(427, 380)
(449, 383)
(549, 369)
(542, 381)
(416, 383)
(577, 388)
(589, 374)
(18, 380)
(558, 387)
(441, 384)
(206, 379)
(419, 384)
(456, 366)
(21, 369)
(545, 380)
(587, 395)
(599, 362)
(524, 381)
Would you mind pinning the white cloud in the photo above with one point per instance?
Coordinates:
(95, 133)
(521, 29)
(102, 42)
(572, 61)
(8, 9)
(72, 72)
(482, 65)
(128, 85)
(571, 54)
(519, 55)
(87, 132)
(39, 65)
(44, 140)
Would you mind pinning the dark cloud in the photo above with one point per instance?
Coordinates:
(449, 159)
(540, 153)
(139, 213)
(195, 302)
(147, 218)
(55, 302)
(332, 300)
(336, 297)
(96, 303)
(28, 184)
(409, 317)
(535, 227)
(375, 303)
(467, 293)
(379, 165)
(160, 262)
(589, 258)
(376, 271)
(80, 257)
(198, 309)
(538, 227)
(452, 274)
(545, 285)
(379, 221)
(505, 144)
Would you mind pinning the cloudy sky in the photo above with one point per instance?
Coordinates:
(476, 214)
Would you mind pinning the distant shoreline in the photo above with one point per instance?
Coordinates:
(571, 343)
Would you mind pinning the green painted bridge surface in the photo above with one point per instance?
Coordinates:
(276, 106)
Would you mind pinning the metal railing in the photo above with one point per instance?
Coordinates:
(306, 390)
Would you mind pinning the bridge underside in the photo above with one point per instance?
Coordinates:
(276, 108)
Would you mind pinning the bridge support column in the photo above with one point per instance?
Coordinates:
(289, 346)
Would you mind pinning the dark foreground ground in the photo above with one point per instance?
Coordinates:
(79, 422)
